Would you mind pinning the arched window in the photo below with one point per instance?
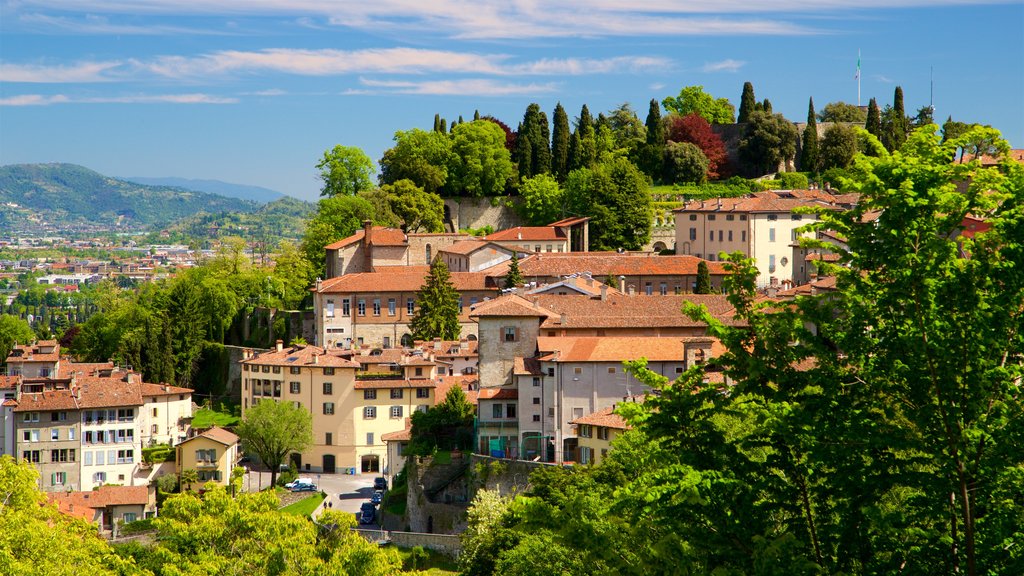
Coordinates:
(407, 340)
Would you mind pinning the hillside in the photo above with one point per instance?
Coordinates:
(284, 218)
(243, 191)
(66, 197)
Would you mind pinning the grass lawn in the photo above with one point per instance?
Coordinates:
(437, 564)
(305, 506)
(206, 417)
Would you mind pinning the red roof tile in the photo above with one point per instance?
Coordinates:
(394, 383)
(616, 349)
(305, 356)
(605, 418)
(401, 279)
(528, 233)
(602, 264)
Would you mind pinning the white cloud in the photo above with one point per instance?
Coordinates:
(42, 100)
(727, 65)
(462, 87)
(656, 86)
(39, 74)
(92, 24)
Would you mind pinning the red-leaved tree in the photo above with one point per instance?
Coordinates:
(694, 129)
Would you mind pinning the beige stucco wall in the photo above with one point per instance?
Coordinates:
(226, 458)
(497, 357)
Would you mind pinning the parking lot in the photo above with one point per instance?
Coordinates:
(344, 492)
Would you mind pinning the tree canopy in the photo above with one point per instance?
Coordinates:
(13, 330)
(416, 209)
(480, 165)
(614, 195)
(445, 426)
(272, 430)
(841, 112)
(543, 200)
(420, 156)
(838, 147)
(345, 170)
(437, 306)
(769, 139)
(693, 99)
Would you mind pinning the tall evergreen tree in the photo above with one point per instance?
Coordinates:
(766, 106)
(585, 153)
(560, 144)
(444, 126)
(437, 306)
(532, 142)
(576, 160)
(650, 155)
(542, 145)
(585, 118)
(655, 129)
(747, 103)
(703, 278)
(437, 122)
(476, 115)
(809, 148)
(524, 154)
(514, 277)
(894, 122)
(874, 122)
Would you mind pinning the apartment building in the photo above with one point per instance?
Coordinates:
(596, 432)
(376, 246)
(633, 272)
(211, 453)
(762, 226)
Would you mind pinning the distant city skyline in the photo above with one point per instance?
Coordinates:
(254, 92)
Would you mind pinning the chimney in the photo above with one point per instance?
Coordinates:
(367, 241)
(622, 284)
(604, 292)
(632, 291)
(280, 345)
(316, 358)
(562, 319)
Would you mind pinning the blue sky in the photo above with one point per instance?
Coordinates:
(253, 91)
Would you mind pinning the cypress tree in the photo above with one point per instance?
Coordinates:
(460, 119)
(586, 120)
(653, 151)
(560, 144)
(586, 152)
(542, 144)
(437, 122)
(437, 306)
(514, 277)
(809, 149)
(874, 122)
(767, 106)
(476, 115)
(703, 278)
(747, 103)
(444, 126)
(895, 122)
(576, 160)
(655, 129)
(524, 154)
(897, 102)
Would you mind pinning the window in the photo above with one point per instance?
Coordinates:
(730, 235)
(330, 308)
(369, 413)
(30, 456)
(419, 371)
(125, 456)
(101, 459)
(396, 393)
(277, 369)
(693, 216)
(55, 434)
(602, 433)
(206, 455)
(125, 414)
(294, 387)
(460, 303)
(743, 235)
(472, 301)
(392, 305)
(423, 392)
(536, 248)
(346, 307)
(536, 381)
(329, 439)
(376, 306)
(58, 478)
(577, 413)
(266, 369)
(99, 477)
(577, 370)
(771, 263)
(155, 429)
(361, 307)
(328, 371)
(795, 217)
(396, 411)
(743, 217)
(711, 235)
(496, 411)
(369, 394)
(369, 438)
(129, 517)
(30, 436)
(584, 431)
(536, 417)
(294, 370)
(693, 233)
(410, 306)
(773, 217)
(509, 333)
(328, 408)
(730, 217)
(611, 369)
(536, 400)
(71, 433)
(551, 371)
(30, 417)
(62, 455)
(58, 416)
(679, 369)
(663, 289)
(771, 234)
(328, 388)
(510, 410)
(648, 288)
(711, 216)
(88, 458)
(719, 235)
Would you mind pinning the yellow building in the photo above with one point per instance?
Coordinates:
(212, 455)
(596, 432)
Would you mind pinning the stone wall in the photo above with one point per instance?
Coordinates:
(479, 212)
(438, 496)
(449, 544)
(501, 474)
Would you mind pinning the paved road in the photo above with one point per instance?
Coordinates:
(344, 492)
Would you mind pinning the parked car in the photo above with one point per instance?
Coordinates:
(378, 495)
(299, 480)
(303, 487)
(367, 513)
(380, 483)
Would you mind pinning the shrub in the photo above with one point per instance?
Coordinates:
(793, 180)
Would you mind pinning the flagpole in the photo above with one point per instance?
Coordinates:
(858, 77)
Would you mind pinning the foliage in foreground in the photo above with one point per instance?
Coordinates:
(888, 440)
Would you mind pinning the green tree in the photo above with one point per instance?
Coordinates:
(560, 137)
(345, 170)
(693, 99)
(514, 277)
(383, 215)
(273, 430)
(480, 164)
(703, 278)
(925, 116)
(766, 106)
(685, 163)
(542, 200)
(446, 426)
(533, 153)
(614, 194)
(336, 218)
(420, 156)
(294, 273)
(747, 103)
(873, 124)
(767, 141)
(437, 306)
(13, 330)
(841, 112)
(650, 156)
(838, 147)
(187, 478)
(418, 210)
(185, 306)
(583, 144)
(809, 158)
(951, 130)
(485, 535)
(895, 124)
(627, 130)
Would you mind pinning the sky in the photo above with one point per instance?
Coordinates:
(254, 91)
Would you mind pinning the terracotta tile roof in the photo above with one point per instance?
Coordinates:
(570, 221)
(822, 257)
(511, 305)
(450, 348)
(620, 311)
(381, 237)
(47, 400)
(10, 402)
(464, 381)
(602, 264)
(163, 390)
(527, 233)
(46, 343)
(301, 356)
(394, 383)
(401, 280)
(823, 284)
(769, 201)
(99, 392)
(497, 393)
(386, 356)
(526, 366)
(85, 504)
(416, 360)
(605, 418)
(400, 436)
(9, 381)
(66, 369)
(467, 247)
(218, 434)
(577, 285)
(31, 353)
(615, 349)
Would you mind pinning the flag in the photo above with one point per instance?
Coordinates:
(857, 75)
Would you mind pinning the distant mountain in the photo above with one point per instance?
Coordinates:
(67, 196)
(243, 191)
(282, 219)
